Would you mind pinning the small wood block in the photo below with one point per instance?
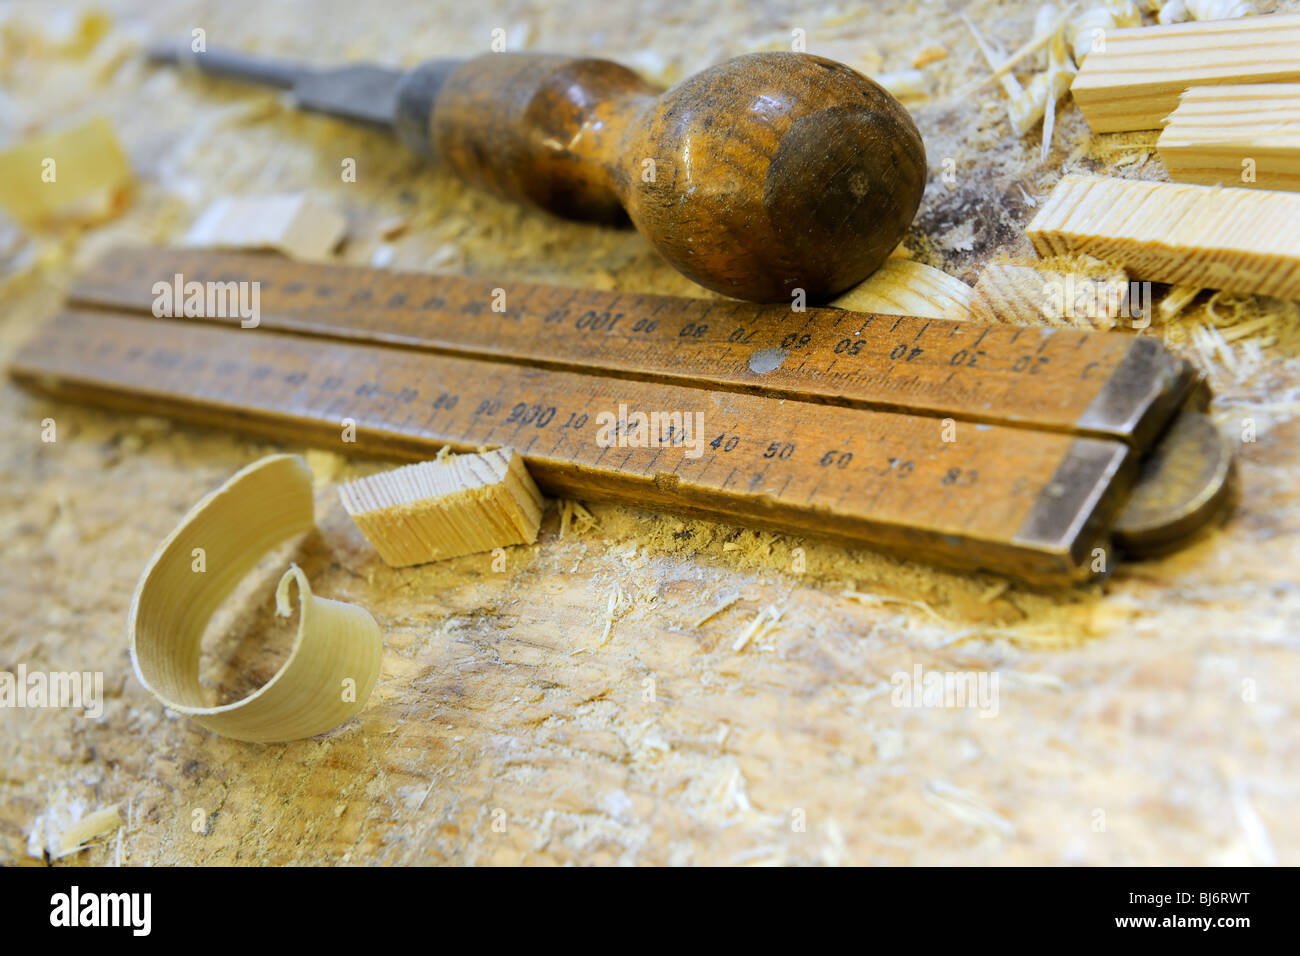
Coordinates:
(435, 510)
(1135, 82)
(1240, 240)
(1017, 294)
(294, 224)
(79, 174)
(1236, 136)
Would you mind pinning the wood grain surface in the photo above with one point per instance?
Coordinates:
(603, 697)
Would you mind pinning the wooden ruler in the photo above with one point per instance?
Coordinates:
(1002, 448)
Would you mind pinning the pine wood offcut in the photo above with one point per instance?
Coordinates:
(1134, 81)
(1239, 240)
(1245, 135)
(432, 510)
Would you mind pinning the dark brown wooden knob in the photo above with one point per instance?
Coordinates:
(769, 173)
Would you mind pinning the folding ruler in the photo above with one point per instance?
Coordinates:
(1022, 451)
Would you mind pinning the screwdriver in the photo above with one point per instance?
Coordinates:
(770, 177)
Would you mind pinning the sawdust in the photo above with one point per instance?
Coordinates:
(1167, 699)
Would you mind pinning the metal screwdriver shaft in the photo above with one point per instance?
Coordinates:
(359, 93)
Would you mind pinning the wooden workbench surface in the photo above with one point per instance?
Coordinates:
(1152, 719)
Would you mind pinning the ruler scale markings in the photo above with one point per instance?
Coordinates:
(935, 509)
(1063, 389)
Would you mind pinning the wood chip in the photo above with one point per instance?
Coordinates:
(906, 84)
(1241, 240)
(74, 838)
(1176, 11)
(1017, 294)
(1090, 27)
(335, 660)
(1027, 105)
(927, 55)
(762, 624)
(1176, 299)
(295, 225)
(80, 174)
(710, 615)
(1040, 39)
(904, 287)
(1135, 81)
(1245, 135)
(616, 601)
(574, 516)
(855, 53)
(435, 510)
(392, 227)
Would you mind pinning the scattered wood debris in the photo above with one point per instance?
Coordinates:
(855, 53)
(617, 602)
(966, 807)
(1177, 11)
(1243, 135)
(1177, 299)
(904, 287)
(324, 465)
(1078, 291)
(74, 838)
(710, 615)
(79, 175)
(1052, 84)
(932, 53)
(994, 592)
(906, 84)
(1027, 105)
(392, 227)
(575, 516)
(435, 510)
(295, 224)
(762, 624)
(878, 600)
(1241, 240)
(1135, 81)
(1090, 27)
(1041, 38)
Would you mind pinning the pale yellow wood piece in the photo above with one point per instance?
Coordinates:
(1016, 294)
(335, 660)
(1091, 25)
(296, 225)
(74, 837)
(1245, 135)
(79, 174)
(904, 287)
(1135, 81)
(433, 510)
(1241, 240)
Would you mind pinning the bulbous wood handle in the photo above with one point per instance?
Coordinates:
(767, 174)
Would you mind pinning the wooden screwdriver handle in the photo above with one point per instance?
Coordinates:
(541, 129)
(767, 174)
